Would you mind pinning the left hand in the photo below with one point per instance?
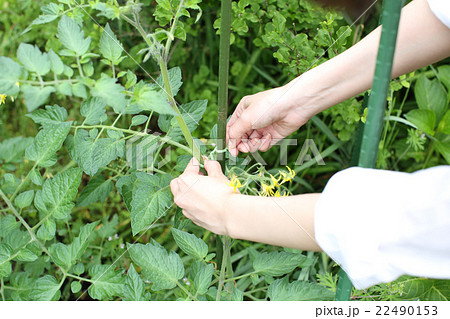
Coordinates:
(204, 199)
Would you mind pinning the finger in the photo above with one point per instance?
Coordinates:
(174, 187)
(193, 167)
(213, 168)
(265, 143)
(237, 130)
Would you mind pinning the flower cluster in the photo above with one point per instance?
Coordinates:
(2, 99)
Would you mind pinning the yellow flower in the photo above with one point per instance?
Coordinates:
(274, 181)
(235, 183)
(287, 176)
(2, 98)
(267, 190)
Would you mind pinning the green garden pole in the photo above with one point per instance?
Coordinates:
(377, 103)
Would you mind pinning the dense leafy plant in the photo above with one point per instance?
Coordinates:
(115, 125)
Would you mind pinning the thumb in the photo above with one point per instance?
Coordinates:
(213, 168)
(193, 167)
(237, 130)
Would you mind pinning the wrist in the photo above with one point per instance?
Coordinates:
(233, 210)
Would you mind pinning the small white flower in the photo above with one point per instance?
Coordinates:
(109, 238)
(116, 236)
(122, 246)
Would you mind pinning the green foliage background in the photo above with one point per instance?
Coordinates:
(78, 222)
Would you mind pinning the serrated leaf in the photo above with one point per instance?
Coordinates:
(96, 190)
(47, 230)
(42, 19)
(279, 263)
(75, 287)
(110, 47)
(33, 59)
(125, 185)
(92, 155)
(203, 277)
(45, 289)
(51, 115)
(61, 255)
(5, 257)
(161, 268)
(77, 269)
(56, 63)
(430, 95)
(110, 92)
(282, 290)
(134, 287)
(107, 283)
(46, 143)
(36, 177)
(190, 244)
(35, 96)
(13, 149)
(174, 79)
(24, 199)
(93, 110)
(424, 289)
(72, 36)
(17, 239)
(79, 244)
(9, 76)
(424, 119)
(150, 201)
(26, 255)
(7, 225)
(57, 194)
(79, 90)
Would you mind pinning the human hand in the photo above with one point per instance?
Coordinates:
(262, 119)
(204, 199)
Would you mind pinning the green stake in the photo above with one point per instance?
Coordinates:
(377, 103)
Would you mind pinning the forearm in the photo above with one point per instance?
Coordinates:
(422, 40)
(281, 221)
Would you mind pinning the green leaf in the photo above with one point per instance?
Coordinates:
(47, 230)
(134, 287)
(444, 125)
(96, 190)
(80, 243)
(9, 76)
(79, 90)
(282, 290)
(42, 19)
(57, 65)
(33, 59)
(13, 149)
(75, 286)
(61, 255)
(26, 255)
(149, 98)
(93, 110)
(92, 155)
(203, 277)
(36, 177)
(430, 95)
(174, 79)
(57, 194)
(424, 289)
(46, 143)
(23, 284)
(443, 146)
(107, 283)
(138, 120)
(425, 120)
(444, 75)
(72, 37)
(125, 185)
(279, 263)
(17, 239)
(77, 269)
(162, 269)
(7, 225)
(110, 47)
(192, 114)
(24, 199)
(5, 257)
(35, 96)
(45, 289)
(190, 244)
(51, 115)
(110, 92)
(150, 201)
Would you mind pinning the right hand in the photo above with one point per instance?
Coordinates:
(262, 119)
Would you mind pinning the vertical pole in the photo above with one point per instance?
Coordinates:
(377, 104)
(224, 64)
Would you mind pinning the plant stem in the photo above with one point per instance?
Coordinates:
(172, 32)
(79, 278)
(23, 222)
(225, 263)
(22, 183)
(79, 67)
(1, 289)
(186, 291)
(224, 64)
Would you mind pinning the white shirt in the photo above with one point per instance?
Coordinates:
(378, 225)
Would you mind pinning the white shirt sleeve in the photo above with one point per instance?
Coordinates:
(441, 9)
(378, 225)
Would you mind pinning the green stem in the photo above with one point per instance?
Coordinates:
(23, 222)
(22, 183)
(224, 64)
(186, 291)
(226, 254)
(79, 278)
(1, 289)
(241, 276)
(79, 67)
(172, 32)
